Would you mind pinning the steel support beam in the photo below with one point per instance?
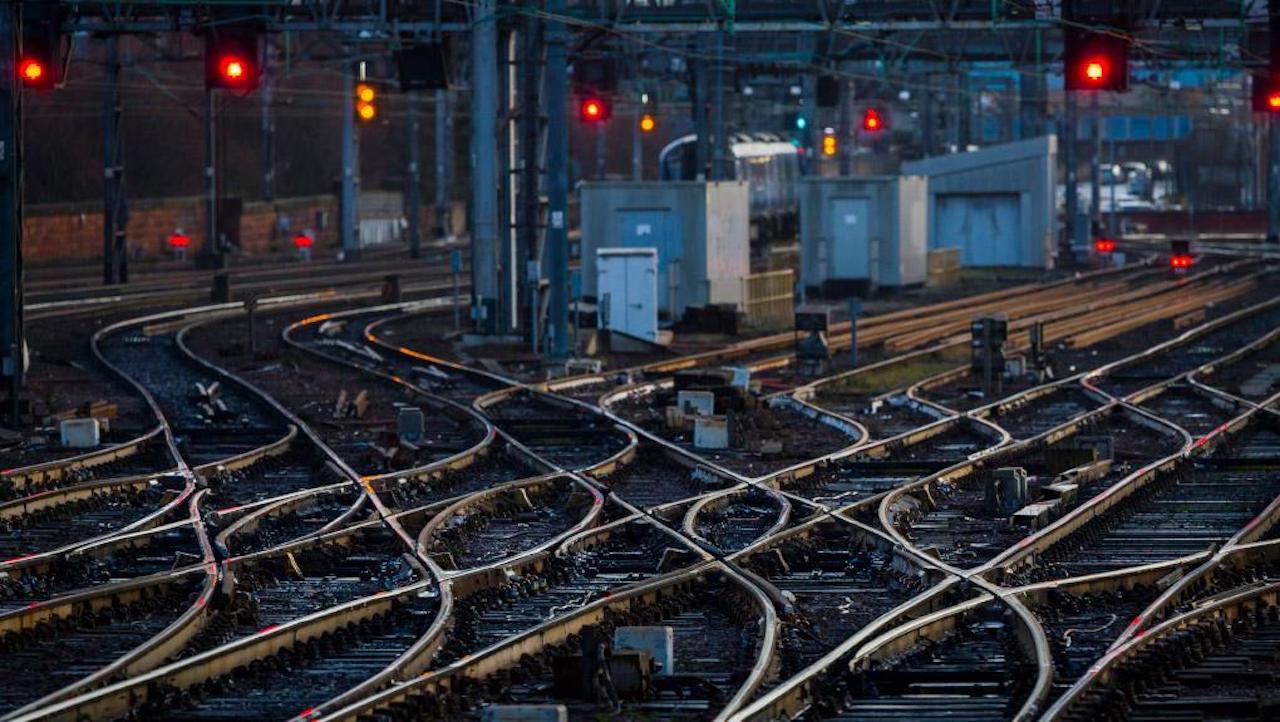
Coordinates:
(637, 142)
(508, 182)
(557, 238)
(721, 160)
(1273, 180)
(212, 252)
(530, 118)
(701, 128)
(350, 167)
(844, 128)
(412, 189)
(1095, 167)
(1067, 137)
(268, 128)
(11, 332)
(115, 251)
(443, 163)
(484, 167)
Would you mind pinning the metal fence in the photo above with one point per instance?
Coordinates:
(768, 299)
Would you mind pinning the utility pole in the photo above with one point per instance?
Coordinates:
(721, 161)
(1112, 221)
(350, 167)
(702, 141)
(11, 332)
(530, 210)
(808, 108)
(1067, 137)
(929, 124)
(1095, 167)
(1273, 180)
(212, 252)
(412, 194)
(115, 219)
(484, 166)
(268, 127)
(601, 151)
(844, 126)
(557, 238)
(637, 140)
(444, 146)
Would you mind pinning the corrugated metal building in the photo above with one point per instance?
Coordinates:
(862, 232)
(995, 204)
(701, 231)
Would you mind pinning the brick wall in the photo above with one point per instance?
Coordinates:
(67, 232)
(73, 232)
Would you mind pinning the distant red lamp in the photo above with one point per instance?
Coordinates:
(32, 71)
(594, 110)
(232, 69)
(871, 120)
(303, 240)
(233, 59)
(1095, 60)
(1104, 246)
(1266, 93)
(178, 243)
(1180, 262)
(1095, 70)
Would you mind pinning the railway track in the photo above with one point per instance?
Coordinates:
(839, 580)
(863, 474)
(976, 669)
(543, 527)
(89, 637)
(130, 556)
(966, 519)
(581, 570)
(1178, 511)
(1215, 662)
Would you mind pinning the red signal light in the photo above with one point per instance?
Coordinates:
(594, 110)
(1266, 93)
(1180, 262)
(871, 120)
(1095, 70)
(232, 60)
(1095, 60)
(179, 240)
(31, 70)
(232, 69)
(1104, 245)
(302, 240)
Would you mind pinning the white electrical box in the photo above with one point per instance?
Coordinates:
(711, 432)
(627, 283)
(79, 433)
